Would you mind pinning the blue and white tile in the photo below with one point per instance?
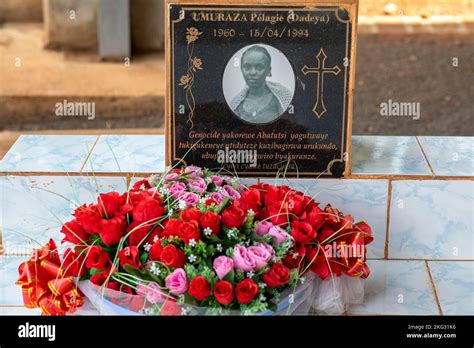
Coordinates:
(454, 283)
(397, 288)
(394, 155)
(34, 208)
(365, 200)
(450, 156)
(128, 154)
(432, 219)
(10, 293)
(48, 153)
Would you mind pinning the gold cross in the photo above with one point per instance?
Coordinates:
(319, 108)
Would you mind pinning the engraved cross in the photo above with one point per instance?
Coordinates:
(319, 108)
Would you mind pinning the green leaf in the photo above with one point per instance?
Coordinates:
(94, 271)
(230, 277)
(272, 306)
(143, 258)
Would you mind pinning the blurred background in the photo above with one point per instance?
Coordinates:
(110, 53)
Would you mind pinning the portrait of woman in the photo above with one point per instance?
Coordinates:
(260, 100)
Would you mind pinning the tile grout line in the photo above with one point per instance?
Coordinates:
(89, 154)
(387, 221)
(433, 286)
(425, 156)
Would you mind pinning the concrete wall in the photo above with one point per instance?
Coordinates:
(21, 10)
(148, 25)
(70, 24)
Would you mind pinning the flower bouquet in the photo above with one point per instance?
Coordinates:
(190, 241)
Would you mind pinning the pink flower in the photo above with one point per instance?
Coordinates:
(190, 198)
(263, 227)
(242, 259)
(194, 171)
(278, 233)
(171, 176)
(198, 185)
(230, 192)
(223, 265)
(261, 254)
(152, 292)
(217, 197)
(216, 179)
(176, 282)
(177, 190)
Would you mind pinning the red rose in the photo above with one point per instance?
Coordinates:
(189, 230)
(112, 230)
(250, 199)
(293, 261)
(211, 220)
(233, 217)
(246, 290)
(190, 214)
(170, 307)
(108, 204)
(130, 256)
(97, 258)
(209, 201)
(155, 251)
(277, 211)
(302, 232)
(223, 292)
(89, 218)
(139, 233)
(318, 263)
(141, 185)
(148, 210)
(172, 228)
(172, 257)
(314, 216)
(199, 288)
(277, 275)
(100, 278)
(296, 203)
(74, 262)
(74, 233)
(275, 193)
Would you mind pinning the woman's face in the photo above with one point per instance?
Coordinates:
(255, 68)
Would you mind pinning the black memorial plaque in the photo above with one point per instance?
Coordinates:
(260, 89)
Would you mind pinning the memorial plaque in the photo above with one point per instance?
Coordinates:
(261, 88)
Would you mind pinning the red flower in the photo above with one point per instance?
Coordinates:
(170, 307)
(141, 185)
(199, 288)
(189, 230)
(148, 210)
(112, 230)
(108, 204)
(97, 258)
(209, 201)
(250, 199)
(130, 256)
(246, 291)
(294, 262)
(190, 214)
(223, 292)
(275, 194)
(138, 234)
(211, 220)
(320, 264)
(74, 233)
(89, 218)
(172, 228)
(172, 256)
(296, 203)
(233, 217)
(155, 251)
(100, 278)
(277, 275)
(314, 216)
(74, 262)
(302, 232)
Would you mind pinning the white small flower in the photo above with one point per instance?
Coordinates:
(170, 212)
(302, 280)
(295, 255)
(207, 231)
(202, 200)
(184, 311)
(155, 270)
(155, 239)
(262, 298)
(192, 242)
(262, 285)
(147, 247)
(164, 190)
(291, 298)
(182, 204)
(250, 274)
(192, 258)
(219, 247)
(250, 212)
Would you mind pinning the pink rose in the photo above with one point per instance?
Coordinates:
(177, 189)
(216, 179)
(171, 176)
(176, 282)
(230, 192)
(217, 197)
(263, 227)
(194, 171)
(152, 292)
(242, 259)
(261, 254)
(223, 265)
(198, 185)
(278, 233)
(190, 198)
